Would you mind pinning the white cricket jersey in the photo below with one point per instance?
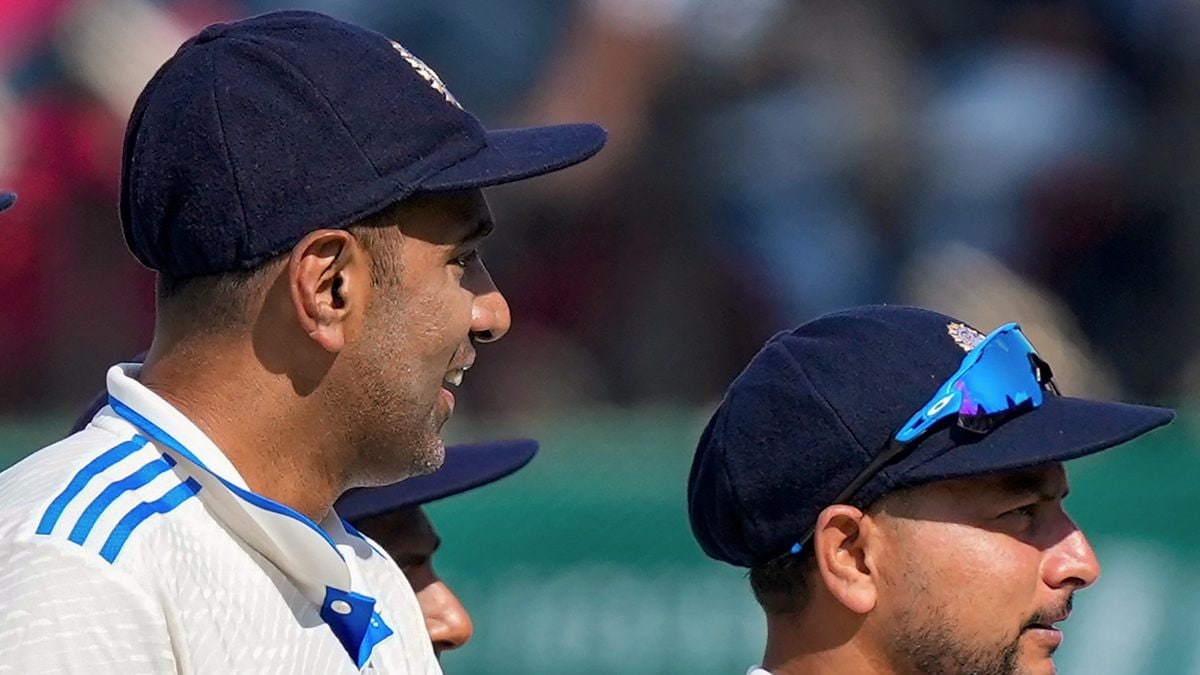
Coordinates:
(134, 546)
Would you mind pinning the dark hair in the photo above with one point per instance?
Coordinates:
(782, 586)
(221, 301)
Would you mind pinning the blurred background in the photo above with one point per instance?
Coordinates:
(769, 160)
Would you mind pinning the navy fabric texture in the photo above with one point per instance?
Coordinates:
(7, 199)
(259, 131)
(817, 403)
(466, 468)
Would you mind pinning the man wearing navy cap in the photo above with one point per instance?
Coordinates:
(894, 481)
(309, 194)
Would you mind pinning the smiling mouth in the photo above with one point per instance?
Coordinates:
(454, 376)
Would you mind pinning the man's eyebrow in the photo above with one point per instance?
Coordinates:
(482, 229)
(1032, 484)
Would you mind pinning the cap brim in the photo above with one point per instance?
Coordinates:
(7, 199)
(515, 154)
(466, 468)
(1062, 429)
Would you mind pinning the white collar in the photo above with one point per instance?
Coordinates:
(311, 555)
(757, 670)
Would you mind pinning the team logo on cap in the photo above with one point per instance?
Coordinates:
(426, 74)
(964, 336)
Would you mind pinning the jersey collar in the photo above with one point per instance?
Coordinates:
(312, 555)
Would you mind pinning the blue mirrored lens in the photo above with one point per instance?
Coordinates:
(1004, 379)
(997, 378)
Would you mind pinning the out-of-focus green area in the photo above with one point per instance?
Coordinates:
(583, 562)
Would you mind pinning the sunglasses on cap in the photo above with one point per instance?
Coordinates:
(1000, 378)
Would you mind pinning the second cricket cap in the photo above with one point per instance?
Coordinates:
(466, 468)
(818, 403)
(7, 199)
(259, 131)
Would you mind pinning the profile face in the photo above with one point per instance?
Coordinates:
(981, 572)
(422, 324)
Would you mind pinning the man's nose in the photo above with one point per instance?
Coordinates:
(490, 314)
(1071, 562)
(446, 619)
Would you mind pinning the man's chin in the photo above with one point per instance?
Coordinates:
(431, 458)
(1037, 658)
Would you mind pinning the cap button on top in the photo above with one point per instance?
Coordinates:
(340, 606)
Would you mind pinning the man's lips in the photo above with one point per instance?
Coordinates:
(454, 376)
(1042, 626)
(1049, 636)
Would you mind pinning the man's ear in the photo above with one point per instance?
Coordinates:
(842, 545)
(329, 282)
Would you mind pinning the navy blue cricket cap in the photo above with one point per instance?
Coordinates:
(466, 468)
(259, 131)
(7, 199)
(817, 403)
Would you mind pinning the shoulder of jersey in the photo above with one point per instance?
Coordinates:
(94, 489)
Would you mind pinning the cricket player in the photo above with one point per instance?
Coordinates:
(309, 194)
(894, 481)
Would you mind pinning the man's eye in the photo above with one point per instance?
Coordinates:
(466, 258)
(1027, 511)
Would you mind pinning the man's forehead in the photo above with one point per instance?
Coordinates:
(1046, 480)
(448, 217)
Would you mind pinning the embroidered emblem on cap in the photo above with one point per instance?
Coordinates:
(427, 74)
(964, 336)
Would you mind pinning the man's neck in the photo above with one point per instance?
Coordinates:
(812, 645)
(270, 441)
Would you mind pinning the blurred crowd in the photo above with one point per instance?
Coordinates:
(769, 160)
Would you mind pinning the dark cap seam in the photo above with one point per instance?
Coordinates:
(837, 415)
(826, 403)
(237, 186)
(318, 91)
(737, 499)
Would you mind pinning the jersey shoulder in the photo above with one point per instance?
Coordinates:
(94, 490)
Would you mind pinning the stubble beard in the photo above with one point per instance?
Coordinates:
(398, 430)
(926, 643)
(397, 438)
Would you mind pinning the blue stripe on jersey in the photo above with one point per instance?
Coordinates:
(261, 502)
(81, 479)
(148, 472)
(120, 534)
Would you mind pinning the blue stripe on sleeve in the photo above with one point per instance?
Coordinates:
(120, 534)
(261, 502)
(81, 479)
(148, 472)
